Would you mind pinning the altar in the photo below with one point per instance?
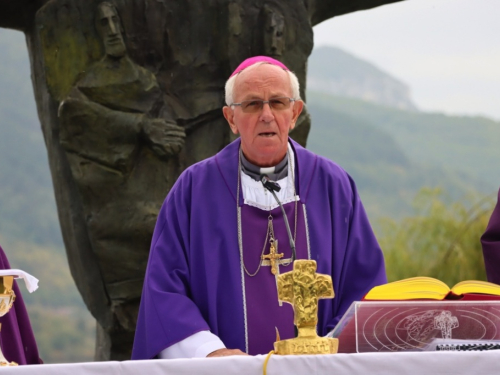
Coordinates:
(402, 363)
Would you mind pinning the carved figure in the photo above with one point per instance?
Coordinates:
(118, 139)
(274, 37)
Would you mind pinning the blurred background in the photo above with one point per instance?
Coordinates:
(405, 97)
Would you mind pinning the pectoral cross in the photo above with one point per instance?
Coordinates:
(273, 256)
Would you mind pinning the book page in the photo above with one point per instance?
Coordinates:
(413, 288)
(476, 286)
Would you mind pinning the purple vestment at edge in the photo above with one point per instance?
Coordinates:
(491, 245)
(194, 280)
(18, 341)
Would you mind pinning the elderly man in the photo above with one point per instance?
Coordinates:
(209, 289)
(491, 245)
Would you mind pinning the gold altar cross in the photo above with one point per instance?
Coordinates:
(273, 256)
(302, 288)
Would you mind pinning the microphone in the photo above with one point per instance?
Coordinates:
(273, 186)
(269, 184)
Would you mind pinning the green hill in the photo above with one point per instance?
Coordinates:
(386, 176)
(461, 144)
(351, 141)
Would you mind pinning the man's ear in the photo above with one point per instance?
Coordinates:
(229, 115)
(298, 105)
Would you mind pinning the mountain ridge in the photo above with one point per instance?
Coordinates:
(334, 71)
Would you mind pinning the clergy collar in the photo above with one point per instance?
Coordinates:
(275, 173)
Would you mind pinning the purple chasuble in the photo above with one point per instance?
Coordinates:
(18, 341)
(263, 312)
(195, 279)
(491, 245)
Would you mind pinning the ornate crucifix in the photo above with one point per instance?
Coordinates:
(274, 260)
(273, 257)
(302, 288)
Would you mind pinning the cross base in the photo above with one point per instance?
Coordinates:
(307, 345)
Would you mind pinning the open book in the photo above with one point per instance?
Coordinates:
(429, 288)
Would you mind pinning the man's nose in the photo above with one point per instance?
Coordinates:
(113, 29)
(266, 114)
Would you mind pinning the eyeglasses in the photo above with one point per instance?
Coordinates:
(256, 105)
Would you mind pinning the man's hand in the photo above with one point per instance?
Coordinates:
(164, 138)
(226, 352)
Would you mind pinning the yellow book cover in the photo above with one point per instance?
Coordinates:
(423, 287)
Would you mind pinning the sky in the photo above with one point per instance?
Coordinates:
(447, 51)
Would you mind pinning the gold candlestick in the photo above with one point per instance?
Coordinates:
(7, 298)
(302, 288)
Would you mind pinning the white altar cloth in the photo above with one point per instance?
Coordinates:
(440, 363)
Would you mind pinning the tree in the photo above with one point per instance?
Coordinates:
(441, 241)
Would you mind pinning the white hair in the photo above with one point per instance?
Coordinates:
(294, 85)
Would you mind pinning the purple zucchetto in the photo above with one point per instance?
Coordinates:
(257, 59)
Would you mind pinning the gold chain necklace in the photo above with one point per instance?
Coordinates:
(270, 229)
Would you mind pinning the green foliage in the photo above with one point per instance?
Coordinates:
(62, 334)
(441, 240)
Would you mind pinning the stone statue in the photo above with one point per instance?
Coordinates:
(127, 103)
(120, 143)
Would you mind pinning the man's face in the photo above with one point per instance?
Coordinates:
(110, 31)
(264, 134)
